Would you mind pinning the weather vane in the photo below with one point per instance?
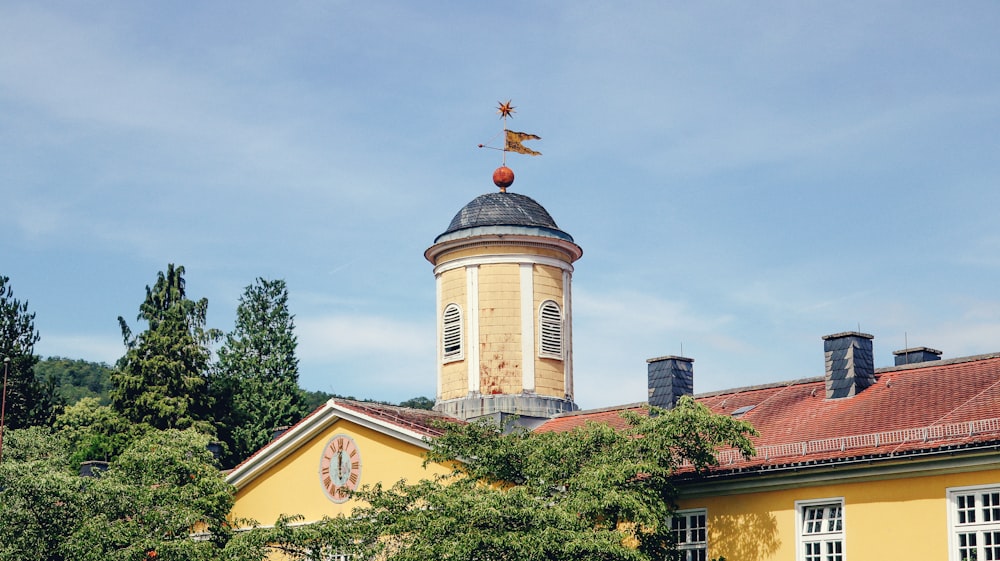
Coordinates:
(503, 177)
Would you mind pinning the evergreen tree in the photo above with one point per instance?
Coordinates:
(162, 380)
(27, 403)
(257, 385)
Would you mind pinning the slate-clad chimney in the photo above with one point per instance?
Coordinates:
(670, 377)
(915, 355)
(850, 367)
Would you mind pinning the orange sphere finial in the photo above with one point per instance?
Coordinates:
(503, 177)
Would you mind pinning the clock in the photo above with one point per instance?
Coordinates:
(340, 467)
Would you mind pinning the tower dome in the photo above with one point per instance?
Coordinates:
(503, 271)
(492, 211)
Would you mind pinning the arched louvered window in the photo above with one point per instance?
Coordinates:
(452, 333)
(550, 344)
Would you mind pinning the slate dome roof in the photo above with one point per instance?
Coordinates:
(505, 209)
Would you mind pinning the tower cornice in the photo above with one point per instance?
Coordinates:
(493, 240)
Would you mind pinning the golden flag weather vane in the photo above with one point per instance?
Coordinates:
(503, 176)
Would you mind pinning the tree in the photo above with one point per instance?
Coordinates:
(94, 432)
(27, 401)
(76, 379)
(592, 493)
(162, 379)
(419, 402)
(39, 495)
(163, 497)
(258, 385)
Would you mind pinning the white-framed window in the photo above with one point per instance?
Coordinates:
(974, 523)
(451, 333)
(690, 530)
(550, 328)
(820, 530)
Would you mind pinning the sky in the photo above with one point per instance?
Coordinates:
(743, 177)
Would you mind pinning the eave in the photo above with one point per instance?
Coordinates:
(309, 427)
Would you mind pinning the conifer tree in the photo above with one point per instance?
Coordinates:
(258, 374)
(162, 381)
(27, 403)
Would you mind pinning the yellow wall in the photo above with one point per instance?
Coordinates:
(454, 374)
(500, 329)
(293, 485)
(550, 378)
(904, 518)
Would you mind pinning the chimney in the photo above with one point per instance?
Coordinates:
(670, 377)
(92, 468)
(850, 367)
(278, 431)
(916, 355)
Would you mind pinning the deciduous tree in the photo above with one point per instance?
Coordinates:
(162, 498)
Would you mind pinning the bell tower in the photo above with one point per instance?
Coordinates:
(503, 273)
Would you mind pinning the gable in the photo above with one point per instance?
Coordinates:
(284, 477)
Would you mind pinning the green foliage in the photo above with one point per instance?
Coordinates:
(28, 401)
(257, 384)
(76, 379)
(592, 493)
(40, 496)
(418, 403)
(94, 431)
(163, 494)
(314, 399)
(162, 380)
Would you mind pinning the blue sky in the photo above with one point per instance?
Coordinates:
(744, 178)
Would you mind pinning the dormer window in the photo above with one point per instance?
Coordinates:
(452, 333)
(550, 319)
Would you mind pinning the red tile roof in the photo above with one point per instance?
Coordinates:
(917, 408)
(418, 420)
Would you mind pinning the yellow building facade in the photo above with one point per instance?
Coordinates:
(858, 464)
(901, 462)
(906, 515)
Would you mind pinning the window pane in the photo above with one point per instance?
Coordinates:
(991, 545)
(836, 520)
(679, 526)
(814, 520)
(966, 509)
(834, 551)
(813, 551)
(991, 507)
(967, 547)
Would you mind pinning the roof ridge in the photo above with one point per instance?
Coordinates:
(635, 405)
(894, 438)
(878, 371)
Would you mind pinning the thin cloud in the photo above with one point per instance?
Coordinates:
(339, 336)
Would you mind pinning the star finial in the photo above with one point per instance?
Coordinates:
(505, 109)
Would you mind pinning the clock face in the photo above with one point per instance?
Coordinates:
(340, 467)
